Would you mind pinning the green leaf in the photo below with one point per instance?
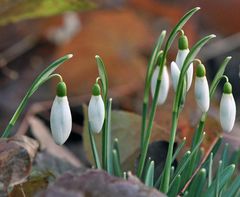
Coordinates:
(43, 77)
(233, 188)
(210, 170)
(150, 175)
(174, 189)
(224, 177)
(116, 164)
(13, 11)
(225, 155)
(198, 182)
(179, 148)
(103, 75)
(108, 140)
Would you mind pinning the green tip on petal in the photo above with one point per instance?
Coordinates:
(96, 90)
(61, 89)
(200, 71)
(227, 88)
(183, 42)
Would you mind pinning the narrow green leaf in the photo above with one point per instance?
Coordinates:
(150, 175)
(103, 75)
(225, 176)
(225, 155)
(116, 164)
(94, 148)
(198, 182)
(216, 188)
(146, 167)
(42, 77)
(179, 148)
(116, 147)
(233, 188)
(214, 151)
(172, 172)
(235, 158)
(210, 173)
(108, 138)
(174, 189)
(149, 74)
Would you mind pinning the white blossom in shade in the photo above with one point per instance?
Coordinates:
(181, 56)
(164, 87)
(227, 112)
(202, 93)
(96, 113)
(60, 120)
(175, 73)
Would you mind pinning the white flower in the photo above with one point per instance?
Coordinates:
(181, 56)
(96, 113)
(163, 91)
(60, 119)
(227, 112)
(202, 93)
(175, 73)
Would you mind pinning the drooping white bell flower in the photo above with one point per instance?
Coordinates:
(96, 110)
(175, 73)
(164, 87)
(227, 108)
(201, 89)
(181, 56)
(60, 117)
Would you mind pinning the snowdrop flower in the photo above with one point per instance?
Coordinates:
(202, 89)
(181, 56)
(227, 108)
(163, 91)
(96, 110)
(60, 117)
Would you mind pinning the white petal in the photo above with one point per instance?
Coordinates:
(189, 76)
(227, 112)
(181, 56)
(163, 92)
(96, 113)
(60, 120)
(202, 93)
(175, 73)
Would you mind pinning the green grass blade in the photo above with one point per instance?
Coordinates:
(146, 167)
(150, 175)
(42, 77)
(174, 189)
(116, 147)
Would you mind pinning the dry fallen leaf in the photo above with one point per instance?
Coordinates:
(16, 156)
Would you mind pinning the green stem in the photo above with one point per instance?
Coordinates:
(148, 131)
(94, 148)
(167, 170)
(108, 137)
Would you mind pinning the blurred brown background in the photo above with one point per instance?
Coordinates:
(123, 34)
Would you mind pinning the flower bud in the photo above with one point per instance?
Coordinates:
(96, 110)
(164, 87)
(175, 73)
(181, 56)
(60, 117)
(227, 108)
(201, 89)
